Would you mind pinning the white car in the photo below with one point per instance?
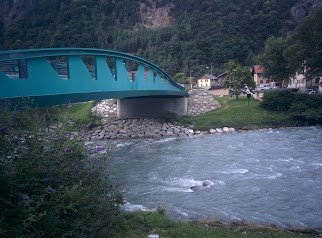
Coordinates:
(263, 87)
(308, 91)
(314, 92)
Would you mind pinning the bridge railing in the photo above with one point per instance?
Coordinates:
(54, 72)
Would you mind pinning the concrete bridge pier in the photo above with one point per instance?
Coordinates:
(147, 107)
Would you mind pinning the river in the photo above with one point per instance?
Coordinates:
(270, 177)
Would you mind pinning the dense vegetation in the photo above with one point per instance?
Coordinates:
(49, 185)
(206, 33)
(298, 52)
(304, 108)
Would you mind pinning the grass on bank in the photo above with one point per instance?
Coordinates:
(79, 113)
(82, 112)
(140, 224)
(237, 114)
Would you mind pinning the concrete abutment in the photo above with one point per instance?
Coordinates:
(150, 107)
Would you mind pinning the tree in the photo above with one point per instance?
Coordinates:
(181, 78)
(304, 51)
(272, 59)
(237, 78)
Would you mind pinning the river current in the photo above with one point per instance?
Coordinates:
(270, 177)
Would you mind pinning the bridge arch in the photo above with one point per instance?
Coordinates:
(40, 74)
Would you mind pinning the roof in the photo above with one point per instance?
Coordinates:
(208, 76)
(258, 69)
(221, 75)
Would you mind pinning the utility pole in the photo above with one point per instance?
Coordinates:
(191, 71)
(210, 69)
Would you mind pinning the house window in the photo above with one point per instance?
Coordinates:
(317, 80)
(261, 81)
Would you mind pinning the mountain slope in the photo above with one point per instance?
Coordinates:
(178, 35)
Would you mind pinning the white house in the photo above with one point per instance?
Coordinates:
(207, 80)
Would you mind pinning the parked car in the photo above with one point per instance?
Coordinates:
(314, 92)
(263, 87)
(308, 91)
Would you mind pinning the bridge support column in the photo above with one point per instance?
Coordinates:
(146, 107)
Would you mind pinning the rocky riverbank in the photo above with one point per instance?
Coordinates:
(145, 128)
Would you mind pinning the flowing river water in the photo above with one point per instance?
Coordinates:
(263, 177)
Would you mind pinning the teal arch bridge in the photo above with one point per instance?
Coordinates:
(61, 75)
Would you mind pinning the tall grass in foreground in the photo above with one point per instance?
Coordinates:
(49, 187)
(237, 114)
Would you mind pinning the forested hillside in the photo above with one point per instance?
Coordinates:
(178, 35)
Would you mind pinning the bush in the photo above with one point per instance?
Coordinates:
(302, 107)
(305, 114)
(49, 187)
(278, 100)
(311, 101)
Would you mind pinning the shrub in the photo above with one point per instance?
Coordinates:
(311, 101)
(297, 111)
(49, 187)
(305, 114)
(300, 106)
(171, 117)
(278, 100)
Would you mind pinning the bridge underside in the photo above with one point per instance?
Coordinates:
(146, 107)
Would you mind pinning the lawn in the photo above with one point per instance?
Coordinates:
(238, 114)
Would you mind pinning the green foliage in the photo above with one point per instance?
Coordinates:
(305, 114)
(81, 113)
(278, 100)
(300, 51)
(49, 186)
(171, 117)
(181, 78)
(305, 108)
(238, 78)
(275, 64)
(304, 50)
